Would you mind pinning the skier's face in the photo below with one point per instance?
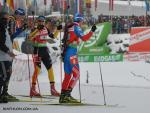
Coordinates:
(41, 22)
(80, 23)
(19, 17)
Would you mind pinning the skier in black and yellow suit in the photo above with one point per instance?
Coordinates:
(38, 38)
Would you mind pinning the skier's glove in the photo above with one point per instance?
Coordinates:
(51, 35)
(40, 27)
(93, 28)
(59, 27)
(24, 27)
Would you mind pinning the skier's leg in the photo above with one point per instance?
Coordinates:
(66, 81)
(1, 82)
(67, 74)
(37, 68)
(52, 82)
(75, 78)
(6, 68)
(67, 77)
(8, 65)
(48, 64)
(75, 70)
(35, 74)
(69, 81)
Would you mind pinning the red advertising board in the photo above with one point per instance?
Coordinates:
(140, 39)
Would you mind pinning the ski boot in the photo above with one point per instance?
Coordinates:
(69, 95)
(11, 98)
(63, 97)
(3, 99)
(53, 90)
(3, 96)
(33, 92)
(66, 97)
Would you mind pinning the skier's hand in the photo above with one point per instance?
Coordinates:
(59, 27)
(40, 27)
(25, 26)
(51, 35)
(11, 54)
(93, 28)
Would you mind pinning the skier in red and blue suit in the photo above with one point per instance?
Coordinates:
(71, 65)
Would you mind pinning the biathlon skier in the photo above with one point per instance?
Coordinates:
(41, 54)
(71, 65)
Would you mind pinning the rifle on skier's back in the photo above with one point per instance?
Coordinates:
(65, 39)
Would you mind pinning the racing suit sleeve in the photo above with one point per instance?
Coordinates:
(56, 33)
(53, 35)
(79, 33)
(33, 34)
(18, 31)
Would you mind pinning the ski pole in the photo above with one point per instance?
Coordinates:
(80, 89)
(60, 61)
(60, 64)
(102, 83)
(38, 60)
(29, 72)
(39, 89)
(101, 76)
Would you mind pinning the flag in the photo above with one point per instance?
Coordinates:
(80, 6)
(61, 2)
(129, 2)
(64, 5)
(28, 3)
(1, 2)
(147, 5)
(76, 6)
(45, 2)
(111, 5)
(53, 2)
(88, 3)
(35, 3)
(95, 5)
(10, 4)
(0, 6)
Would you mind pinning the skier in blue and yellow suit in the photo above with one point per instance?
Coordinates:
(71, 65)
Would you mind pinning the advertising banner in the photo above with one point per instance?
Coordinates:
(140, 39)
(96, 49)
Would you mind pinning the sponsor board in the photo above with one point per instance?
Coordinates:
(140, 39)
(101, 58)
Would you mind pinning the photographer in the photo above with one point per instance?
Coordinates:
(6, 56)
(17, 24)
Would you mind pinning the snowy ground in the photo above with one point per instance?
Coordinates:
(130, 100)
(130, 91)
